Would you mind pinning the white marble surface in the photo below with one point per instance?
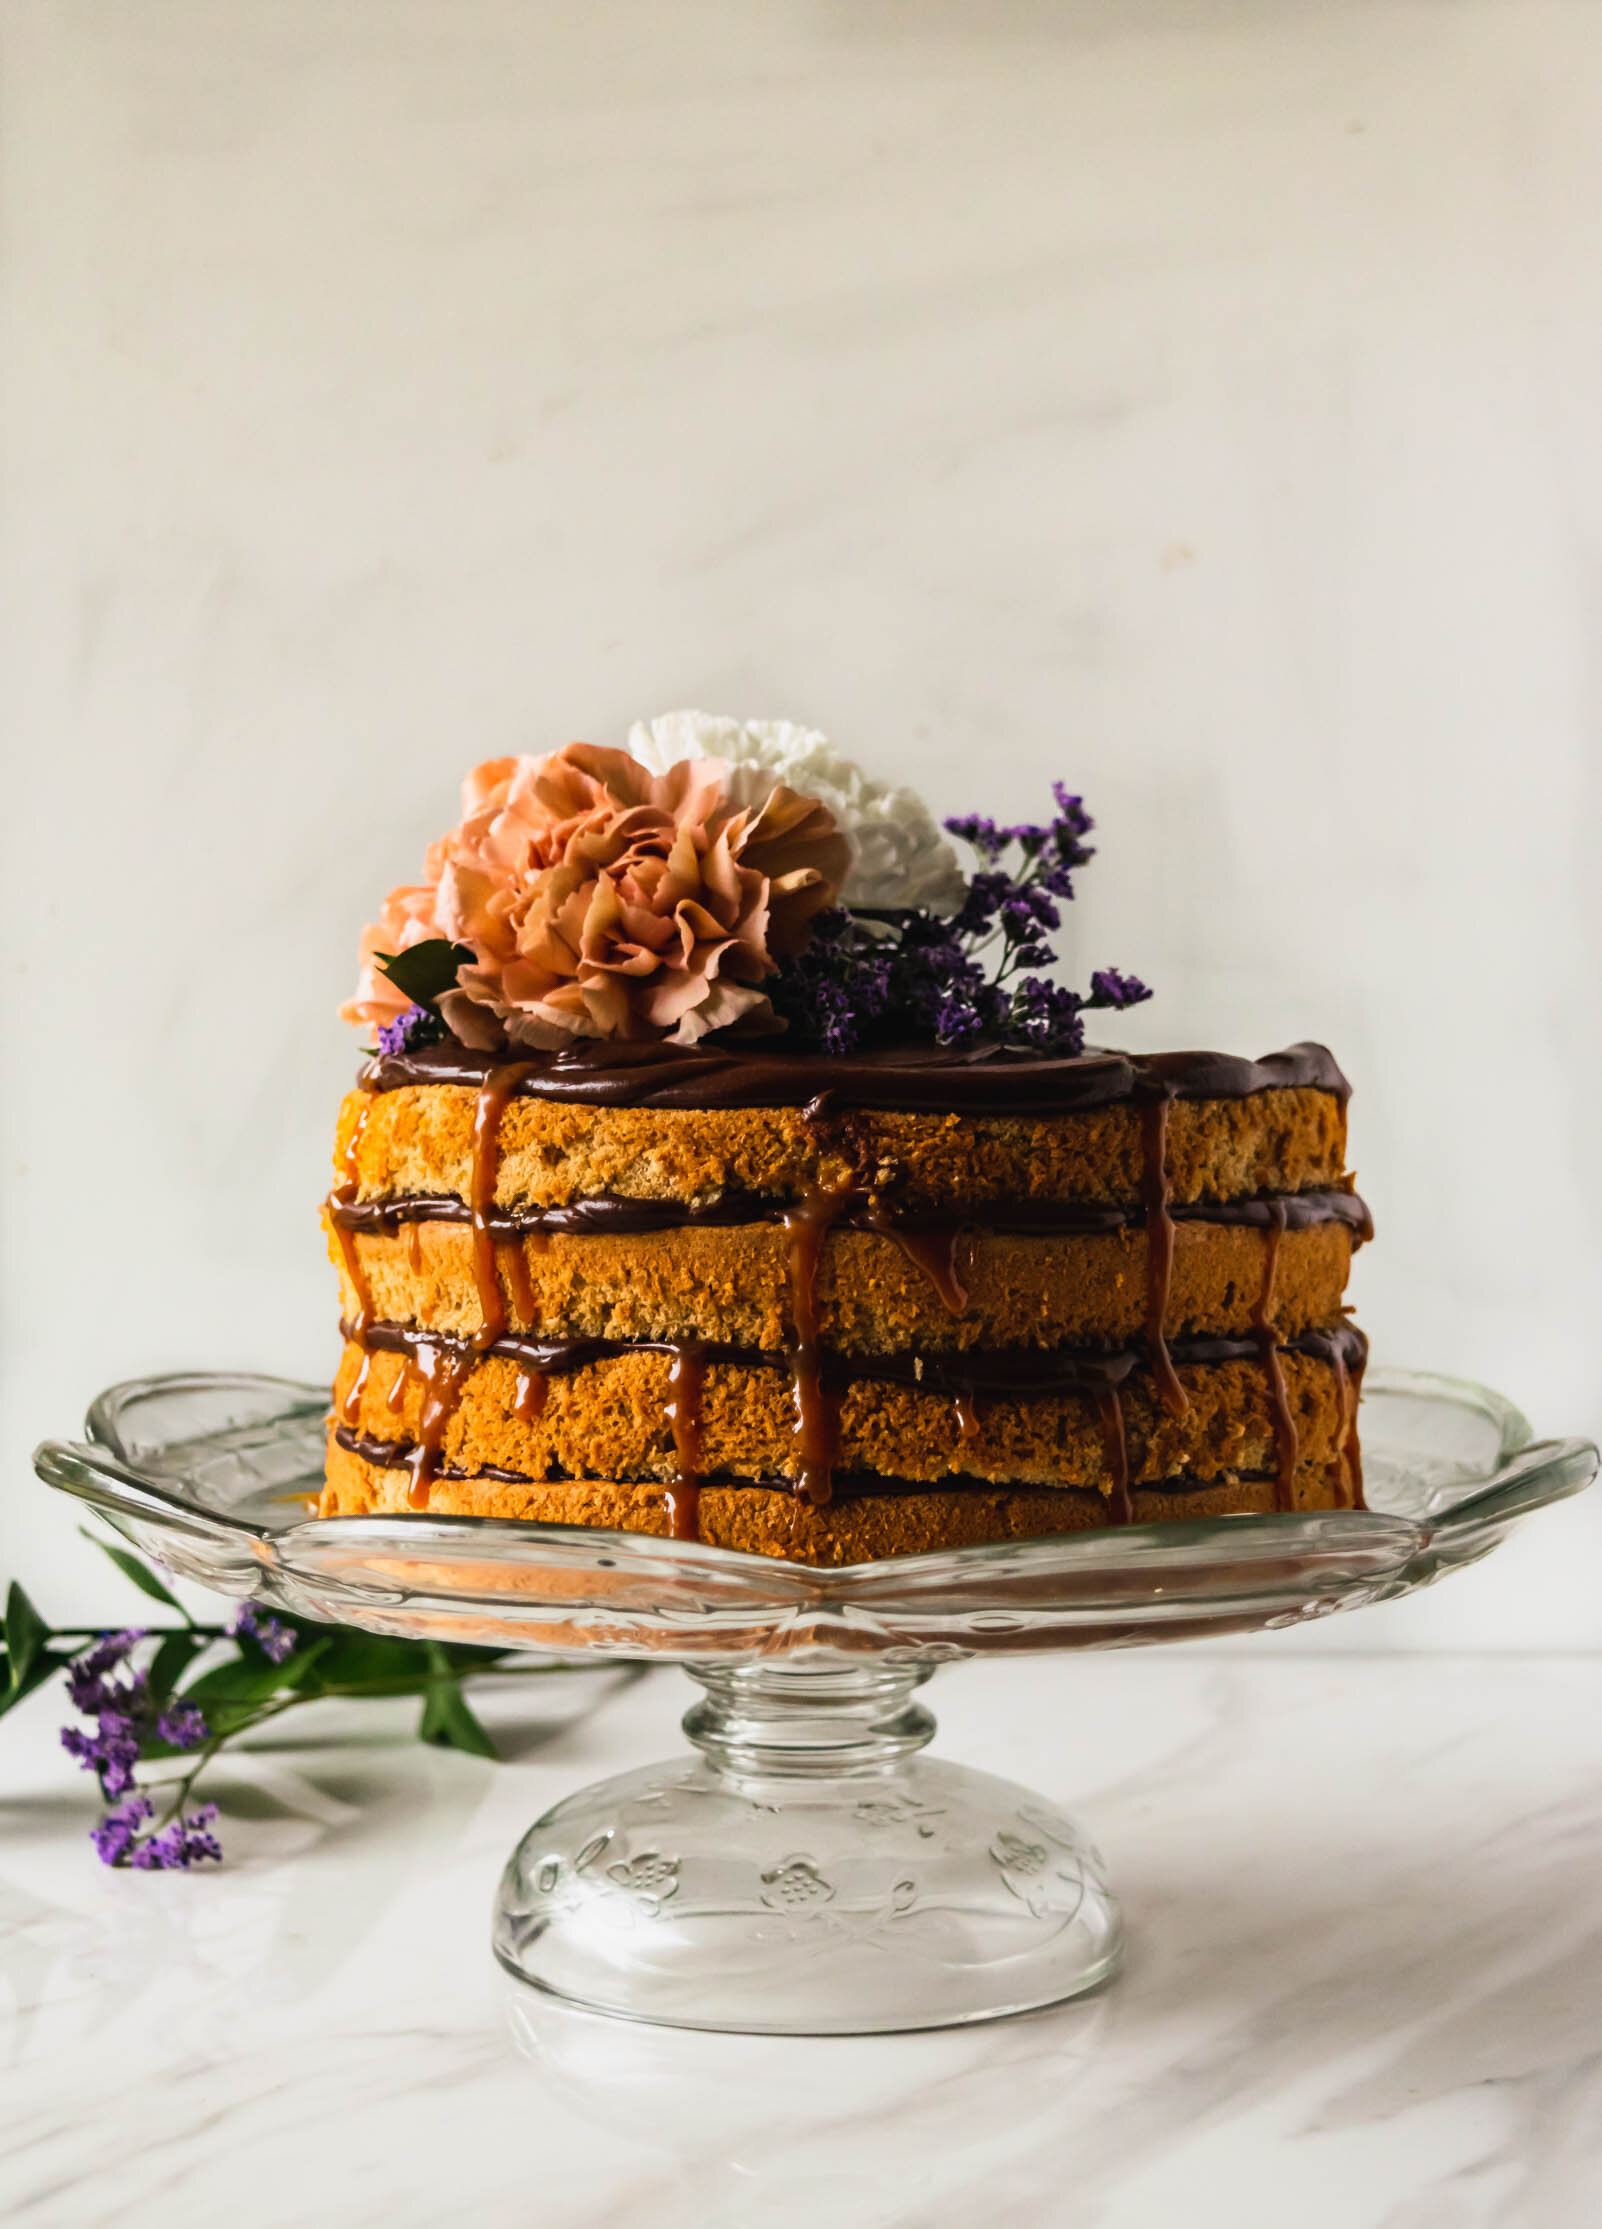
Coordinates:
(1364, 1989)
(1198, 400)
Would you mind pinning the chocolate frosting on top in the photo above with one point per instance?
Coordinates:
(978, 1080)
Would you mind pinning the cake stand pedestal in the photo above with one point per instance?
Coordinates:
(807, 1870)
(808, 1873)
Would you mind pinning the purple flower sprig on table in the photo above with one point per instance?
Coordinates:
(133, 1719)
(123, 1837)
(964, 978)
(151, 1696)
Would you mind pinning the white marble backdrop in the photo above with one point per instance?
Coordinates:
(1198, 401)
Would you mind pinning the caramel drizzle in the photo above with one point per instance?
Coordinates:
(443, 1374)
(350, 1408)
(414, 1247)
(528, 1399)
(817, 1409)
(342, 1195)
(933, 1250)
(1155, 1190)
(806, 1225)
(966, 1410)
(1343, 1430)
(686, 1383)
(520, 1285)
(1115, 1449)
(1365, 1229)
(1354, 1447)
(1348, 1384)
(497, 1087)
(1286, 1439)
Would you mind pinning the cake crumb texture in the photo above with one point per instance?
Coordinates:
(419, 1139)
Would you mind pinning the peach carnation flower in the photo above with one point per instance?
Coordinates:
(602, 900)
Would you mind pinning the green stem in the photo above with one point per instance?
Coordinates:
(98, 1632)
(371, 1689)
(208, 1754)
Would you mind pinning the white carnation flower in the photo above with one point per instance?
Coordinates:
(899, 856)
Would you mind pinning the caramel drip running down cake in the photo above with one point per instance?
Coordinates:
(728, 1168)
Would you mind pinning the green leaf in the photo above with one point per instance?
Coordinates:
(44, 1666)
(234, 1682)
(448, 1721)
(26, 1635)
(132, 1567)
(423, 971)
(468, 1657)
(372, 1660)
(170, 1662)
(249, 1681)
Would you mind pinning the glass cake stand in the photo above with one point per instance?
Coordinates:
(805, 1870)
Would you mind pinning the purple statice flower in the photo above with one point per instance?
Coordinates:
(1046, 1016)
(89, 1683)
(105, 1686)
(120, 1838)
(937, 989)
(988, 892)
(275, 1640)
(110, 1752)
(182, 1726)
(956, 1020)
(973, 977)
(983, 835)
(1072, 821)
(1027, 909)
(1109, 988)
(1064, 847)
(838, 989)
(188, 1841)
(416, 1026)
(117, 1833)
(108, 1687)
(839, 1017)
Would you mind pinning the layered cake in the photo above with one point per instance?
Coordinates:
(727, 1167)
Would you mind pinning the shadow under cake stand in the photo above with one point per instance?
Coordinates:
(804, 1869)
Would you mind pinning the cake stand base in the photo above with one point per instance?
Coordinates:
(807, 1874)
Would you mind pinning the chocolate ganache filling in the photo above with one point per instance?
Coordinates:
(1057, 1218)
(849, 1485)
(1000, 1370)
(974, 1080)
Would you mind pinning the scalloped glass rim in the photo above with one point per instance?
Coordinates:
(208, 1472)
